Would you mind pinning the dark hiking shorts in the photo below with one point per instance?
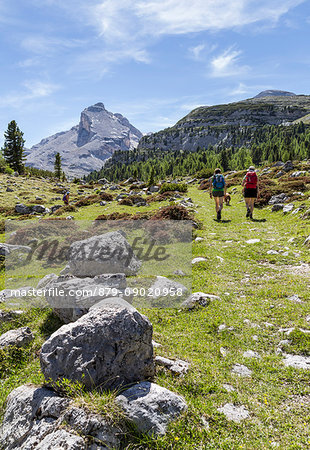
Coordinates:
(250, 193)
(218, 193)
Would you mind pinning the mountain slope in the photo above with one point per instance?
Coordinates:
(87, 145)
(216, 125)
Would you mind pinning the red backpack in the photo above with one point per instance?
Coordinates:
(251, 180)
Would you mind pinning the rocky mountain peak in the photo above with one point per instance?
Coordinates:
(87, 145)
(275, 93)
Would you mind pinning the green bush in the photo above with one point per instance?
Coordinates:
(180, 187)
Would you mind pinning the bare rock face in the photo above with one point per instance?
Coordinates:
(38, 419)
(87, 145)
(108, 347)
(103, 254)
(151, 407)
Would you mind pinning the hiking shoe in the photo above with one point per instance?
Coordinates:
(251, 215)
(248, 213)
(219, 215)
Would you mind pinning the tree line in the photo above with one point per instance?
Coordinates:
(265, 144)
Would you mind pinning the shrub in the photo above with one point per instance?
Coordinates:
(105, 196)
(205, 173)
(172, 212)
(160, 197)
(180, 187)
(126, 201)
(291, 186)
(64, 209)
(86, 201)
(204, 185)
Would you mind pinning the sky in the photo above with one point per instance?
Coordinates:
(151, 60)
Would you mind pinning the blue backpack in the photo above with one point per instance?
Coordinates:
(218, 181)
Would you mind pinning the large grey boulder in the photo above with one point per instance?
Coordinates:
(38, 419)
(17, 338)
(106, 253)
(151, 407)
(72, 297)
(107, 347)
(297, 361)
(288, 166)
(7, 249)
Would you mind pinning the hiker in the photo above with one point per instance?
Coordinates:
(250, 190)
(65, 198)
(218, 191)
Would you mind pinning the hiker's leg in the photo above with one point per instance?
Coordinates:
(252, 200)
(216, 204)
(221, 202)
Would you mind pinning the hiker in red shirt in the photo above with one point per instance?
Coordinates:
(250, 190)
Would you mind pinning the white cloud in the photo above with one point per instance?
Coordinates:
(195, 52)
(227, 64)
(35, 89)
(133, 25)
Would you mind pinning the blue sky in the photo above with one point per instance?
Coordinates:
(151, 60)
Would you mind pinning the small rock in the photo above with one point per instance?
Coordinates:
(17, 338)
(177, 367)
(277, 207)
(198, 260)
(199, 299)
(241, 370)
(229, 387)
(294, 298)
(223, 352)
(199, 239)
(251, 354)
(234, 413)
(151, 407)
(253, 241)
(297, 361)
(222, 327)
(288, 208)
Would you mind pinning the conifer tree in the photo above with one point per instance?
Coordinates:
(57, 166)
(13, 149)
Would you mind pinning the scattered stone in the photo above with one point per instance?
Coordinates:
(286, 331)
(55, 208)
(277, 207)
(34, 418)
(7, 249)
(162, 285)
(272, 252)
(8, 189)
(108, 347)
(153, 189)
(221, 327)
(223, 352)
(151, 407)
(177, 367)
(179, 273)
(199, 299)
(220, 258)
(297, 361)
(156, 344)
(199, 239)
(6, 316)
(229, 387)
(103, 203)
(198, 260)
(307, 241)
(294, 298)
(288, 208)
(280, 198)
(20, 208)
(17, 338)
(253, 241)
(255, 337)
(234, 413)
(46, 280)
(106, 253)
(251, 354)
(288, 166)
(241, 370)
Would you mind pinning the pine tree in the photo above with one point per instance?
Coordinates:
(13, 149)
(57, 166)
